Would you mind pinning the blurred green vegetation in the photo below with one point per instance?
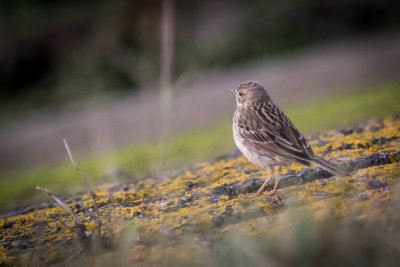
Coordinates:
(188, 148)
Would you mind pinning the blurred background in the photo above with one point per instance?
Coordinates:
(139, 87)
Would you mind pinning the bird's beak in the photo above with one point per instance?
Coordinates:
(233, 92)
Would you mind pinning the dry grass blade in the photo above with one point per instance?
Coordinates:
(71, 158)
(77, 203)
(88, 241)
(80, 228)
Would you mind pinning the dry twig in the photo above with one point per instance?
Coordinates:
(79, 228)
(71, 158)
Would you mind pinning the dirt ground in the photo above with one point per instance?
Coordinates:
(198, 101)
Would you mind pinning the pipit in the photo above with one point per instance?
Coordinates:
(266, 136)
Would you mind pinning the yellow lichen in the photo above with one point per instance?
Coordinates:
(181, 204)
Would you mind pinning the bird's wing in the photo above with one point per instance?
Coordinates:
(268, 128)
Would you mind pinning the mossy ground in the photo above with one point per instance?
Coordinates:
(139, 160)
(180, 219)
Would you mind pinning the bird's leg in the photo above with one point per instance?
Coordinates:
(278, 175)
(260, 191)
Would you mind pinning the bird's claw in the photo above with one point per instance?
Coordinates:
(267, 193)
(270, 193)
(254, 195)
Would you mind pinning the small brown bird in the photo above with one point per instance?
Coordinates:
(266, 136)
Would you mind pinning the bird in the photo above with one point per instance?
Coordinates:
(268, 138)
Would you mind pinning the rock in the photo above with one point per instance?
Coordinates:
(322, 143)
(138, 214)
(382, 140)
(9, 224)
(362, 145)
(224, 189)
(346, 146)
(236, 188)
(130, 204)
(376, 128)
(28, 210)
(228, 216)
(356, 181)
(40, 224)
(309, 175)
(363, 196)
(250, 171)
(322, 195)
(376, 184)
(375, 159)
(301, 177)
(195, 215)
(379, 140)
(248, 186)
(181, 203)
(79, 208)
(185, 199)
(5, 243)
(20, 245)
(219, 221)
(55, 230)
(191, 185)
(346, 131)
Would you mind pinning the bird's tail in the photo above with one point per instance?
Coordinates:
(329, 166)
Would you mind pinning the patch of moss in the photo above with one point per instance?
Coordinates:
(201, 144)
(181, 219)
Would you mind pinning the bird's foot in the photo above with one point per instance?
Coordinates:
(255, 195)
(267, 193)
(272, 192)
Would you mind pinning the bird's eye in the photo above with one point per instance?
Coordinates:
(240, 93)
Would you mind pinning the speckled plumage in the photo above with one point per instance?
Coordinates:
(266, 136)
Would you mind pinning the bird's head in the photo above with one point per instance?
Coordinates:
(250, 91)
